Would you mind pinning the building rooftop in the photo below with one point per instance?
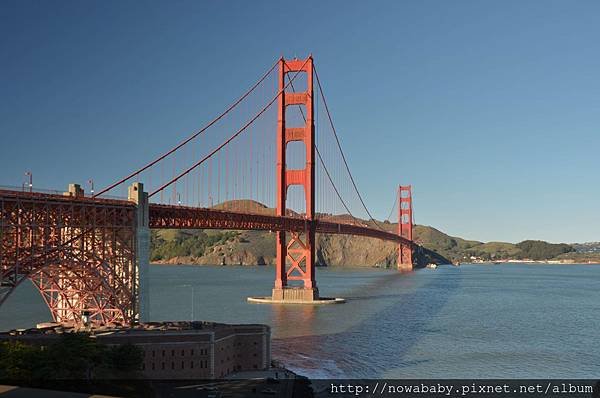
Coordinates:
(166, 327)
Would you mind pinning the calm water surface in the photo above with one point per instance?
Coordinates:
(480, 321)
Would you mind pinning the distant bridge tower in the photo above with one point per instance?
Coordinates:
(299, 252)
(405, 227)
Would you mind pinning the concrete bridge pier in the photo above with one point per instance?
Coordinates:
(137, 195)
(295, 294)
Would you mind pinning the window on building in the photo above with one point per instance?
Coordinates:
(172, 365)
(172, 353)
(192, 352)
(152, 365)
(163, 366)
(191, 364)
(163, 353)
(182, 365)
(153, 353)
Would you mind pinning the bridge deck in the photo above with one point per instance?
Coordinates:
(183, 217)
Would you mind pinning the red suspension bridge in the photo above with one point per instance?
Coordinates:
(271, 161)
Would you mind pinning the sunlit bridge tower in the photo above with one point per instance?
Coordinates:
(296, 257)
(405, 227)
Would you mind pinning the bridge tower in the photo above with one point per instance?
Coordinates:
(296, 257)
(405, 227)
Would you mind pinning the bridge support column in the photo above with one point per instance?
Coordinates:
(296, 256)
(137, 195)
(405, 228)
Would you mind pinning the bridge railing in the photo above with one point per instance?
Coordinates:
(26, 189)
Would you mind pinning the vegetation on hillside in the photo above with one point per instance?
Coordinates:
(258, 247)
(540, 250)
(457, 249)
(170, 244)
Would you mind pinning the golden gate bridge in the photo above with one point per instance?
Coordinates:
(271, 161)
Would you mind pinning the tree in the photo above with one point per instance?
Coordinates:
(540, 250)
(75, 356)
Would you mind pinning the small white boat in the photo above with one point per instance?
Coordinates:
(431, 266)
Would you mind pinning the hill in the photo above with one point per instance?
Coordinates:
(258, 247)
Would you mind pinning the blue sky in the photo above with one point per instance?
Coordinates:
(490, 109)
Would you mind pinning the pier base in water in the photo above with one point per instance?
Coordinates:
(296, 295)
(405, 267)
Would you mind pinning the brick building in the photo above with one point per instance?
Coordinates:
(176, 350)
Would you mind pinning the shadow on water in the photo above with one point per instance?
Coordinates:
(379, 342)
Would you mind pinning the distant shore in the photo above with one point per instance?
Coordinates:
(187, 262)
(552, 262)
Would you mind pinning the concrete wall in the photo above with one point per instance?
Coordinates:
(137, 195)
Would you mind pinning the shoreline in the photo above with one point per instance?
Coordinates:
(524, 262)
(546, 262)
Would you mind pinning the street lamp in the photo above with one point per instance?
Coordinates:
(28, 174)
(193, 312)
(91, 182)
(179, 199)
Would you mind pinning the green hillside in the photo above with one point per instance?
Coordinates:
(258, 247)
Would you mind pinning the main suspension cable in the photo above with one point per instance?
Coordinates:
(263, 110)
(202, 130)
(323, 163)
(393, 207)
(342, 152)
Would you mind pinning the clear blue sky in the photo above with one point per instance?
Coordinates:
(491, 109)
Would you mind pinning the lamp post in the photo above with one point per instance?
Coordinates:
(193, 312)
(30, 175)
(91, 182)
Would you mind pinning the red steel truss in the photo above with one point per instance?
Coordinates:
(78, 252)
(405, 227)
(182, 217)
